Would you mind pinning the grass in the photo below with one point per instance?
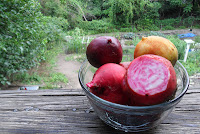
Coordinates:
(192, 64)
(54, 80)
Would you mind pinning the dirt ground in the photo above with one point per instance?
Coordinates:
(70, 69)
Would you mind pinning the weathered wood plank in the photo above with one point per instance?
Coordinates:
(68, 111)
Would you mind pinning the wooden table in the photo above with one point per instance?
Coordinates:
(68, 111)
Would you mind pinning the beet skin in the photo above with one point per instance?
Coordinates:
(107, 83)
(104, 49)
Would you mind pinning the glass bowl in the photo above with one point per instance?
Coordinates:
(132, 118)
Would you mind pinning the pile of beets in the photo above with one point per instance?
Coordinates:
(147, 80)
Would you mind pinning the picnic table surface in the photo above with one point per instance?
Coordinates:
(68, 111)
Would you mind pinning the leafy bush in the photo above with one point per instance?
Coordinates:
(129, 11)
(126, 29)
(192, 64)
(27, 78)
(20, 36)
(53, 28)
(146, 25)
(74, 43)
(168, 28)
(197, 39)
(189, 21)
(24, 36)
(167, 23)
(97, 26)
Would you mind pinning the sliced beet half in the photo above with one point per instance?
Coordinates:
(150, 80)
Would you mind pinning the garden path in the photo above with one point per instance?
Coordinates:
(70, 70)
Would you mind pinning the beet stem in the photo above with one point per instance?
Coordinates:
(109, 41)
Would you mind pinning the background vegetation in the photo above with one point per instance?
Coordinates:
(30, 30)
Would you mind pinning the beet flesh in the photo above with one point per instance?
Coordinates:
(150, 80)
(104, 49)
(107, 84)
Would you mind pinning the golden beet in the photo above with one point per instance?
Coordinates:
(158, 46)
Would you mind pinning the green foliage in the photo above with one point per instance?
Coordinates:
(28, 78)
(166, 24)
(153, 33)
(189, 21)
(179, 8)
(168, 28)
(21, 39)
(129, 11)
(57, 77)
(127, 29)
(53, 28)
(185, 5)
(97, 26)
(25, 36)
(180, 45)
(70, 10)
(192, 64)
(53, 8)
(53, 80)
(146, 25)
(197, 39)
(129, 35)
(74, 43)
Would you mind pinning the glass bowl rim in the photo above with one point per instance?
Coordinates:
(119, 106)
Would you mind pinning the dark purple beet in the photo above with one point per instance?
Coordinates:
(104, 49)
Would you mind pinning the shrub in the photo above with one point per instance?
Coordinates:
(192, 64)
(97, 26)
(197, 39)
(24, 36)
(168, 28)
(146, 25)
(20, 36)
(74, 43)
(167, 24)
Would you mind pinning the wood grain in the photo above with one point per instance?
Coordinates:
(68, 111)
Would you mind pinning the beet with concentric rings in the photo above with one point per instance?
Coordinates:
(149, 80)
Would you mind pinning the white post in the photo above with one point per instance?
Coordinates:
(189, 42)
(83, 40)
(88, 40)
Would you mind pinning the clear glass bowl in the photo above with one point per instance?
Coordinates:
(133, 118)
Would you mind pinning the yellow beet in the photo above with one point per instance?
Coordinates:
(158, 46)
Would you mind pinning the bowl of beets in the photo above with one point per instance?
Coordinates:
(131, 96)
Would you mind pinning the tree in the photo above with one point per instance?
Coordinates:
(179, 8)
(128, 11)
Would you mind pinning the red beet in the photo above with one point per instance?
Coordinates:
(150, 79)
(107, 83)
(104, 49)
(125, 64)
